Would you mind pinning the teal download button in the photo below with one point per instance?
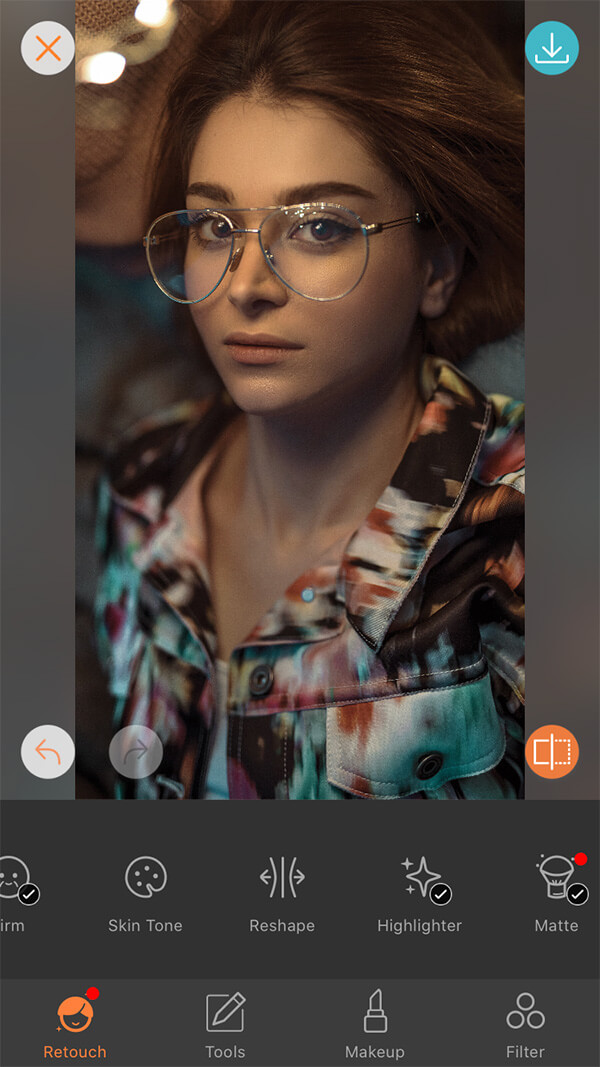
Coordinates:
(552, 47)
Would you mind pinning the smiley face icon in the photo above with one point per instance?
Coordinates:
(145, 875)
(75, 1014)
(13, 874)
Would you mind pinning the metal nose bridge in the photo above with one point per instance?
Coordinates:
(237, 255)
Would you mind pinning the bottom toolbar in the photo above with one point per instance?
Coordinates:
(303, 1023)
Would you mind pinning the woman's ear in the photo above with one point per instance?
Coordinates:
(443, 268)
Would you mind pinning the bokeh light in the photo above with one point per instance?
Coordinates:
(101, 68)
(152, 12)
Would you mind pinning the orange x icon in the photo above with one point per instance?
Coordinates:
(47, 47)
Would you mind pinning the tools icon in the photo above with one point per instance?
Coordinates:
(225, 1013)
(281, 877)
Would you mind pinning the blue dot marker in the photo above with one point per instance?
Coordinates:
(552, 47)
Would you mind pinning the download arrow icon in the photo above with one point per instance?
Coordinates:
(552, 51)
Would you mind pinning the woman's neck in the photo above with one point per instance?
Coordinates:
(302, 473)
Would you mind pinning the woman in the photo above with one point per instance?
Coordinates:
(315, 576)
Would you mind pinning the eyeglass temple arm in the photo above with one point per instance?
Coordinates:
(156, 240)
(421, 218)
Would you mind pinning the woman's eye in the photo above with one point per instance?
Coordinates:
(321, 230)
(209, 229)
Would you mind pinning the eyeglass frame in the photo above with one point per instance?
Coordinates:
(419, 218)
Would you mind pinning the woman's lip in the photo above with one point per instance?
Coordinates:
(257, 354)
(260, 340)
(259, 348)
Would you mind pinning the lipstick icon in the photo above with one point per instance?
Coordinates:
(375, 1021)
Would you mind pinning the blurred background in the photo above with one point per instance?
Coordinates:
(136, 351)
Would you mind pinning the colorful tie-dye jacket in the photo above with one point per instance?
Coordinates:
(397, 674)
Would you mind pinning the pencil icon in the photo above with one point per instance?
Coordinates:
(226, 1007)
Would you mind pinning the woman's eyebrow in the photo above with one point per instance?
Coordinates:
(298, 194)
(210, 191)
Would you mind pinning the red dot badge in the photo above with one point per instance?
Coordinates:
(580, 858)
(92, 993)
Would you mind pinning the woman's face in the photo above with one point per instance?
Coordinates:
(277, 351)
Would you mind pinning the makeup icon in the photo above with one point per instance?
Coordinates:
(376, 1021)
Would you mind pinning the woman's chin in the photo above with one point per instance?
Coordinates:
(263, 398)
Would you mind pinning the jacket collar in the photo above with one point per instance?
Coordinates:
(387, 554)
(383, 559)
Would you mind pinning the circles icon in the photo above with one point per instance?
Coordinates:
(47, 48)
(525, 1013)
(145, 876)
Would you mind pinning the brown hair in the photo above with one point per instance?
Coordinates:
(426, 93)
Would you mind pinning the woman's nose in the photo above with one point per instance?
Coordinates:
(251, 284)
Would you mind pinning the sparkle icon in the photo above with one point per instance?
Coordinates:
(423, 877)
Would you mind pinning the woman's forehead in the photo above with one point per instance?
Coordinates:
(256, 151)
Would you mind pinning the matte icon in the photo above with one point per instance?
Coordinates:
(557, 871)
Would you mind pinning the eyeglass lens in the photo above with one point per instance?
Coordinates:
(319, 251)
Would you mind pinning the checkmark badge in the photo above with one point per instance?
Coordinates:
(440, 894)
(29, 894)
(577, 894)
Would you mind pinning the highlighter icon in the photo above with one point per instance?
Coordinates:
(375, 1021)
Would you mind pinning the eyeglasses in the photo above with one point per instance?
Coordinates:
(318, 250)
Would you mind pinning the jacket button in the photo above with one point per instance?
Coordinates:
(429, 765)
(261, 680)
